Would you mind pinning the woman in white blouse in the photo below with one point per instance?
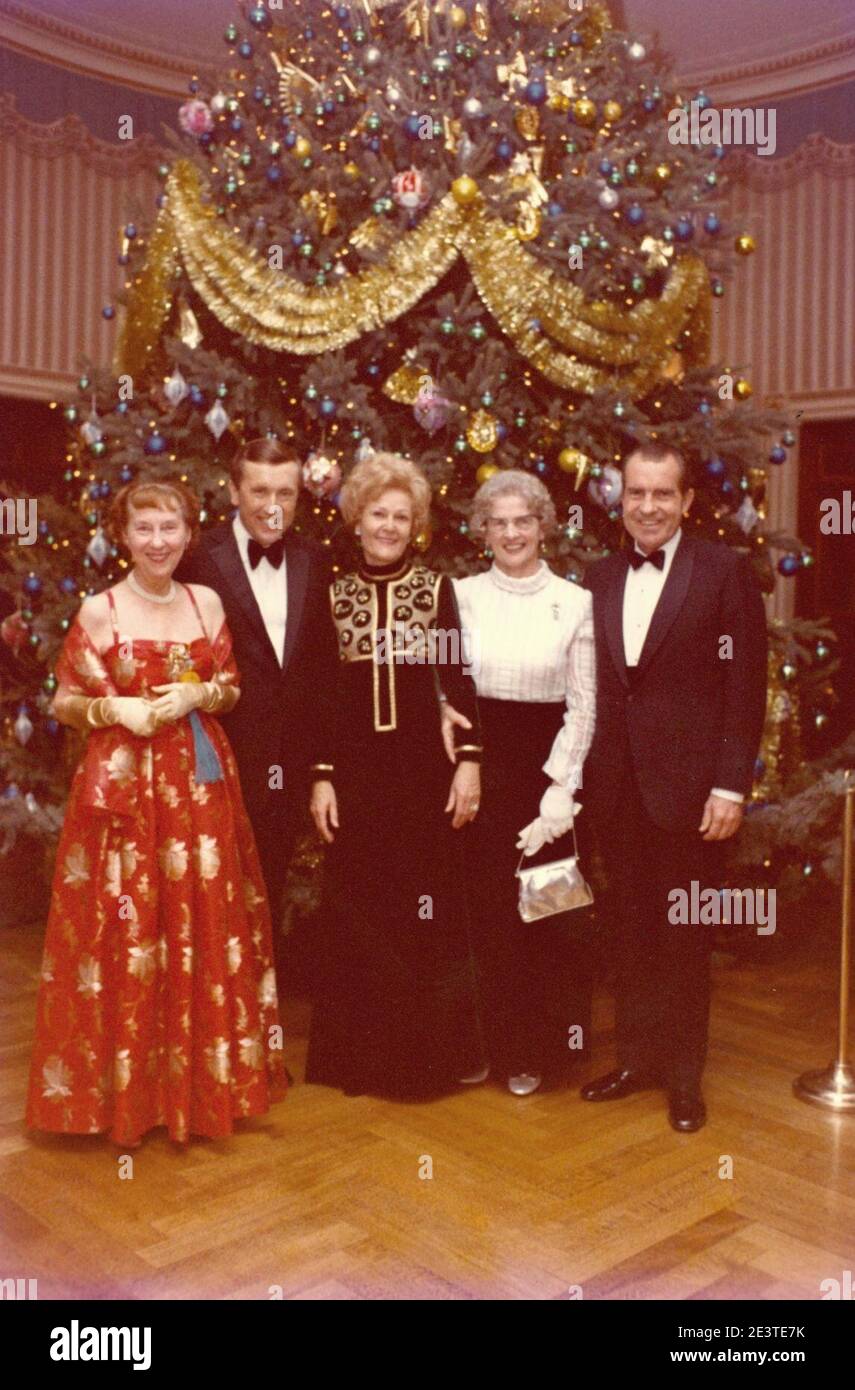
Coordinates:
(535, 676)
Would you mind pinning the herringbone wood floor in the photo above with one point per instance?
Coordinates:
(528, 1200)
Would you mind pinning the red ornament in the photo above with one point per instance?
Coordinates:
(410, 189)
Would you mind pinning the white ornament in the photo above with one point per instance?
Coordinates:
(393, 94)
(218, 102)
(217, 420)
(176, 388)
(91, 430)
(637, 52)
(31, 804)
(98, 548)
(473, 107)
(365, 450)
(747, 516)
(608, 199)
(23, 727)
(606, 490)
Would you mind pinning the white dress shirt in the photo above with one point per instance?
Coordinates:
(270, 587)
(533, 640)
(641, 594)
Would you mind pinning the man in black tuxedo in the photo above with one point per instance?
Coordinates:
(681, 649)
(273, 586)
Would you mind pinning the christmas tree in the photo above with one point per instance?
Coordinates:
(456, 231)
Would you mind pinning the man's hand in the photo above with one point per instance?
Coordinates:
(324, 810)
(450, 717)
(721, 819)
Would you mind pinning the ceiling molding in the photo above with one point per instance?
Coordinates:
(71, 136)
(823, 65)
(48, 39)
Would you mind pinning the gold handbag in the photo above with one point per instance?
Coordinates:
(548, 889)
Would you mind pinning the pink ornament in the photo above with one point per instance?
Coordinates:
(14, 632)
(410, 189)
(195, 117)
(430, 407)
(321, 475)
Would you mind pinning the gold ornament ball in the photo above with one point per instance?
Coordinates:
(571, 459)
(302, 147)
(743, 389)
(585, 111)
(485, 471)
(745, 245)
(559, 101)
(662, 173)
(457, 15)
(352, 170)
(464, 190)
(612, 111)
(423, 539)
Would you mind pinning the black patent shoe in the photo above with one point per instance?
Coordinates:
(617, 1084)
(686, 1109)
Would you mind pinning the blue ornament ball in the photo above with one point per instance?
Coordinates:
(259, 18)
(535, 92)
(412, 126)
(712, 223)
(778, 454)
(108, 312)
(328, 407)
(68, 585)
(197, 395)
(788, 565)
(155, 443)
(605, 167)
(635, 214)
(32, 585)
(505, 149)
(715, 467)
(684, 229)
(245, 48)
(273, 173)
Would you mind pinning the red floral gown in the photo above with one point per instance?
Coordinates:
(157, 1003)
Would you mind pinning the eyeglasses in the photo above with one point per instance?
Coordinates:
(522, 523)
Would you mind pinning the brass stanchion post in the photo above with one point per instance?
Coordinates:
(835, 1086)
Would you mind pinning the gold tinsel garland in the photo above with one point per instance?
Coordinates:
(538, 310)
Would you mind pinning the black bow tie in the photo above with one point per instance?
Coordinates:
(636, 559)
(273, 553)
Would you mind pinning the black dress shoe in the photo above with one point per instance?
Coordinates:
(617, 1084)
(686, 1109)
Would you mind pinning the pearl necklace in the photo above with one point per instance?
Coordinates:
(133, 583)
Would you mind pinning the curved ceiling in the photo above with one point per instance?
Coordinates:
(727, 39)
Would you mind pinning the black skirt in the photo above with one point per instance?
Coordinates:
(535, 981)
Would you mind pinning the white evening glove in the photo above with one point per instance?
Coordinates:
(557, 809)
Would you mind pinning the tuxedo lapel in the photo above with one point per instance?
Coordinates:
(226, 557)
(671, 600)
(297, 569)
(613, 619)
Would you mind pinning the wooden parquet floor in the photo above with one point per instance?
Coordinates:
(534, 1198)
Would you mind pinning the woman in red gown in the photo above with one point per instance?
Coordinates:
(157, 1003)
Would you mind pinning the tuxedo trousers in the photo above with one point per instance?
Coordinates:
(662, 999)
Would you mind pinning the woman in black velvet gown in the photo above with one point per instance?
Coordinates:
(396, 1010)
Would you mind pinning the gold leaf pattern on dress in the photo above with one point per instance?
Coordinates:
(76, 867)
(173, 859)
(267, 989)
(177, 1060)
(122, 765)
(113, 873)
(57, 1079)
(187, 960)
(206, 854)
(199, 792)
(251, 896)
(89, 982)
(251, 1052)
(218, 1060)
(122, 1069)
(218, 995)
(141, 962)
(233, 954)
(166, 791)
(47, 968)
(162, 952)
